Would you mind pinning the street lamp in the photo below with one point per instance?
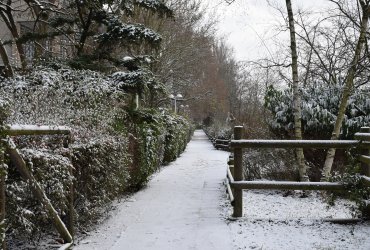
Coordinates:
(184, 109)
(176, 98)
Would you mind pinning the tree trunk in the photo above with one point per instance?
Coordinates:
(13, 29)
(7, 15)
(347, 90)
(4, 56)
(296, 95)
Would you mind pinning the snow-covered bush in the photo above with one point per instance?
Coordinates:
(87, 102)
(101, 175)
(177, 137)
(84, 100)
(146, 145)
(28, 217)
(219, 130)
(115, 149)
(156, 138)
(320, 105)
(269, 164)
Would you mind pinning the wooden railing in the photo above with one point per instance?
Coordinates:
(236, 183)
(8, 145)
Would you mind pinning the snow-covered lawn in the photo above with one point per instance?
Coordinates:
(272, 221)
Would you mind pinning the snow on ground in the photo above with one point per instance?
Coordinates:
(272, 221)
(185, 207)
(180, 208)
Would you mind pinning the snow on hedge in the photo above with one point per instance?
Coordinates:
(319, 109)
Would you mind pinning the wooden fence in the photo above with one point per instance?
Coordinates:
(236, 183)
(7, 145)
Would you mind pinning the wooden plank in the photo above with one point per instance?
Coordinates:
(293, 143)
(343, 221)
(38, 191)
(15, 130)
(3, 173)
(66, 246)
(366, 180)
(229, 175)
(289, 185)
(230, 192)
(238, 173)
(365, 157)
(222, 146)
(365, 144)
(224, 142)
(364, 135)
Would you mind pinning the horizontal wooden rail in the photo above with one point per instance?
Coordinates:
(364, 159)
(362, 136)
(66, 246)
(366, 179)
(230, 192)
(220, 141)
(229, 175)
(291, 185)
(293, 143)
(14, 130)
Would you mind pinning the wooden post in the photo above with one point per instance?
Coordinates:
(4, 113)
(365, 167)
(238, 173)
(3, 173)
(71, 196)
(365, 170)
(39, 193)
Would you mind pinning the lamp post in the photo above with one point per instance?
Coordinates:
(176, 98)
(184, 109)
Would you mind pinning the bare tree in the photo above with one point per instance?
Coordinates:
(4, 56)
(350, 78)
(296, 94)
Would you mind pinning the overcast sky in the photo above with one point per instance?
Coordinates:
(250, 25)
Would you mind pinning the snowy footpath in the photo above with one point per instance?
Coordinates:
(179, 209)
(185, 207)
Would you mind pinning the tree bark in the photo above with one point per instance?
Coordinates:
(296, 95)
(4, 56)
(7, 16)
(347, 89)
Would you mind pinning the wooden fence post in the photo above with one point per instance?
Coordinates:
(4, 113)
(71, 197)
(3, 173)
(365, 168)
(238, 173)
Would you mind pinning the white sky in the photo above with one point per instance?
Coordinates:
(249, 25)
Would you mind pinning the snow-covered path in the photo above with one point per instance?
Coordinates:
(180, 208)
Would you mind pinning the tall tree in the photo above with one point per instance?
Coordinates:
(302, 167)
(6, 13)
(349, 80)
(5, 58)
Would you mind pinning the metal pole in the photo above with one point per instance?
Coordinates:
(238, 173)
